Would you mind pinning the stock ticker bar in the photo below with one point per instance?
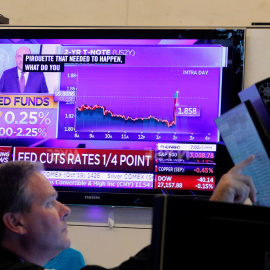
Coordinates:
(185, 182)
(76, 167)
(185, 166)
(100, 179)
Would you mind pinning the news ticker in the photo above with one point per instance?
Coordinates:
(128, 180)
(100, 179)
(87, 159)
(133, 169)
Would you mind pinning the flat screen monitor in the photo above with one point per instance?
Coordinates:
(117, 115)
(194, 234)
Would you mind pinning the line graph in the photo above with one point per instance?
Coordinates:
(125, 99)
(85, 115)
(142, 100)
(139, 96)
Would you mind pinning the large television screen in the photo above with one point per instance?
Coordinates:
(117, 115)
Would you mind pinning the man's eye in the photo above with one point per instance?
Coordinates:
(50, 204)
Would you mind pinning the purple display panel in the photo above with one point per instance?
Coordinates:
(160, 93)
(28, 116)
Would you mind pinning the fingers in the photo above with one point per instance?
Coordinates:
(242, 194)
(246, 180)
(234, 186)
(238, 168)
(245, 188)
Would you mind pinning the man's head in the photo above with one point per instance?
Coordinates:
(19, 56)
(32, 218)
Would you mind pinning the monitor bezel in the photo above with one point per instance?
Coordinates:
(137, 197)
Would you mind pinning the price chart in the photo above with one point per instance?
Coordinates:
(158, 93)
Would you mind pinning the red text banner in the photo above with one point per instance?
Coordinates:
(185, 182)
(88, 159)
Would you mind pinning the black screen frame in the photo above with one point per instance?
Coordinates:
(229, 98)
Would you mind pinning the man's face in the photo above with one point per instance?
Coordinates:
(45, 223)
(19, 56)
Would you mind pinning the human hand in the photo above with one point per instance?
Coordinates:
(235, 187)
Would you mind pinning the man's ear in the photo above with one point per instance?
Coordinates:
(14, 222)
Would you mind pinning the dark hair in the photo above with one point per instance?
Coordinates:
(14, 194)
